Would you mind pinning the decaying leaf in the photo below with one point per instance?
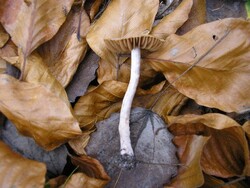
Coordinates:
(84, 75)
(79, 179)
(64, 52)
(190, 149)
(3, 66)
(46, 118)
(172, 22)
(16, 171)
(121, 19)
(4, 37)
(226, 153)
(27, 21)
(156, 161)
(95, 8)
(55, 160)
(224, 56)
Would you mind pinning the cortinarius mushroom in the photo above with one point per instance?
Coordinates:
(133, 45)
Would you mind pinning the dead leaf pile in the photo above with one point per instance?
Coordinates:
(196, 86)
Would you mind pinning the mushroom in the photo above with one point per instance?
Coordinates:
(133, 45)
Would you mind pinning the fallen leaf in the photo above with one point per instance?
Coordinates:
(212, 61)
(56, 182)
(4, 37)
(155, 157)
(64, 52)
(226, 153)
(3, 66)
(121, 19)
(55, 160)
(27, 21)
(91, 167)
(101, 102)
(95, 8)
(211, 182)
(190, 149)
(172, 22)
(46, 117)
(196, 17)
(79, 180)
(84, 75)
(246, 128)
(38, 73)
(16, 171)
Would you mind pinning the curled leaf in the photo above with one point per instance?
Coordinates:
(17, 171)
(226, 153)
(189, 153)
(46, 117)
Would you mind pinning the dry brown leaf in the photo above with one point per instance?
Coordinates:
(37, 72)
(121, 19)
(246, 128)
(170, 23)
(90, 166)
(197, 16)
(190, 148)
(220, 49)
(57, 181)
(64, 52)
(104, 100)
(9, 50)
(31, 23)
(80, 180)
(226, 153)
(3, 66)
(37, 112)
(212, 182)
(94, 8)
(4, 37)
(16, 171)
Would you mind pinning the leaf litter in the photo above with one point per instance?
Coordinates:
(164, 98)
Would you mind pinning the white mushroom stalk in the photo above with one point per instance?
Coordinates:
(124, 130)
(133, 45)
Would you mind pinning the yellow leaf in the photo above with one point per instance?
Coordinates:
(16, 171)
(37, 112)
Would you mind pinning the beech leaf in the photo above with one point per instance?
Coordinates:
(27, 21)
(16, 171)
(189, 152)
(121, 19)
(153, 147)
(172, 22)
(64, 52)
(226, 153)
(46, 117)
(4, 37)
(224, 56)
(55, 160)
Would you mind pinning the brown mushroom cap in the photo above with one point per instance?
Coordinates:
(125, 45)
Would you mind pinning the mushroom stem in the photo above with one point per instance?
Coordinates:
(124, 131)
